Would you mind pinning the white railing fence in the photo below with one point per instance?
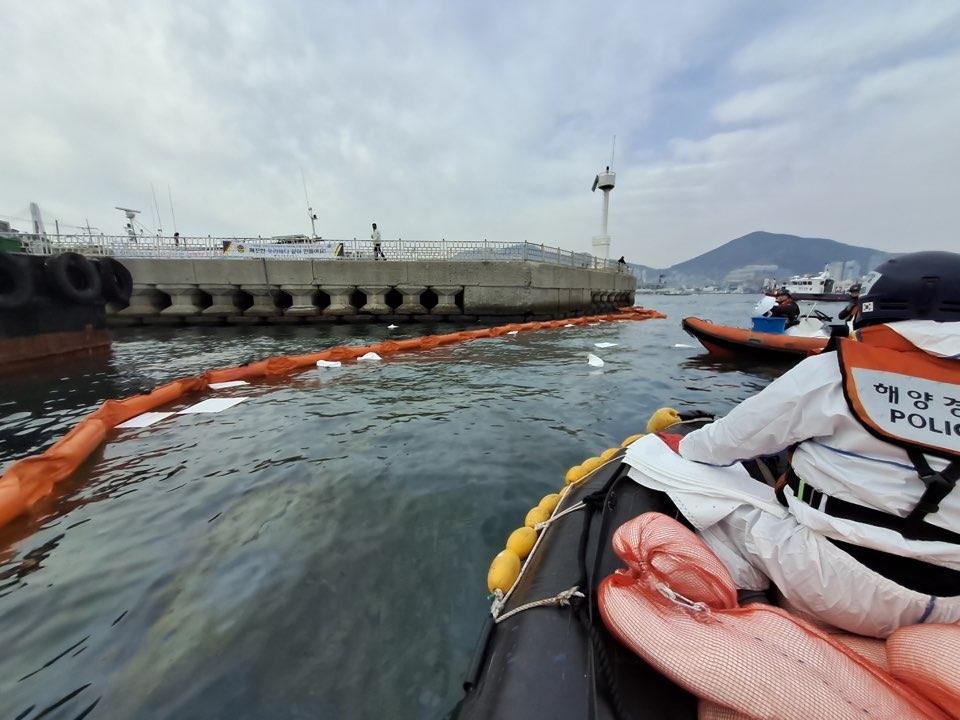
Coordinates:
(124, 246)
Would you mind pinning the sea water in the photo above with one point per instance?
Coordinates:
(320, 549)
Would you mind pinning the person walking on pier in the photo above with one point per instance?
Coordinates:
(377, 251)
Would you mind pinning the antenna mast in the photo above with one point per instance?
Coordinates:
(310, 213)
(156, 208)
(130, 214)
(170, 198)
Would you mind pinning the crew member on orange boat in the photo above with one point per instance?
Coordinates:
(853, 306)
(786, 307)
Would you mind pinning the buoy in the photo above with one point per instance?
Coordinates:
(521, 541)
(504, 571)
(549, 502)
(591, 464)
(609, 453)
(572, 475)
(632, 439)
(536, 515)
(662, 419)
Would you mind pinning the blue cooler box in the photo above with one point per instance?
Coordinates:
(769, 324)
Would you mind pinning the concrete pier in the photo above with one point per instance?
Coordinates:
(203, 291)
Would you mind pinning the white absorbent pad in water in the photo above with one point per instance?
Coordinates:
(212, 405)
(144, 420)
(227, 384)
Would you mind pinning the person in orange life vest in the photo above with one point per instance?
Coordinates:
(850, 311)
(786, 307)
(868, 539)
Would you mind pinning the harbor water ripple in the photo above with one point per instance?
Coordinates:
(319, 550)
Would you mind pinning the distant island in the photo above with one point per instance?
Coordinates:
(746, 263)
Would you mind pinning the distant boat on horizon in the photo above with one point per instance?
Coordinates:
(822, 287)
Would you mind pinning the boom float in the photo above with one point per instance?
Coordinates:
(30, 479)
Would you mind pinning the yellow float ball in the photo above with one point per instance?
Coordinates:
(521, 541)
(591, 464)
(536, 515)
(609, 453)
(549, 502)
(504, 571)
(573, 474)
(662, 419)
(632, 439)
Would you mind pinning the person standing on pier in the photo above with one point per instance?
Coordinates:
(377, 251)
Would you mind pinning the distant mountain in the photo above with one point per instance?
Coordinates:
(791, 254)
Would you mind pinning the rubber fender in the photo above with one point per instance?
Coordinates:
(16, 282)
(116, 280)
(74, 277)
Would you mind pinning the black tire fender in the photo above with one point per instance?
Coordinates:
(16, 281)
(116, 280)
(74, 277)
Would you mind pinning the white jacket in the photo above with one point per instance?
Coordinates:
(835, 455)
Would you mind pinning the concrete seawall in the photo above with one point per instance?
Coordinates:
(201, 291)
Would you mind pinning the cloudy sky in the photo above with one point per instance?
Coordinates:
(489, 120)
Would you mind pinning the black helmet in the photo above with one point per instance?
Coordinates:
(855, 288)
(915, 286)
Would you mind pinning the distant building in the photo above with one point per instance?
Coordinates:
(749, 277)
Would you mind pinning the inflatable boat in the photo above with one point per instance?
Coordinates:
(681, 647)
(733, 343)
(561, 662)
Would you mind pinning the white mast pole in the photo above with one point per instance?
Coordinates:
(156, 208)
(313, 218)
(170, 198)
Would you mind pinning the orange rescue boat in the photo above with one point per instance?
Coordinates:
(733, 343)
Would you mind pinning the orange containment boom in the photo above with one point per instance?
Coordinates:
(30, 479)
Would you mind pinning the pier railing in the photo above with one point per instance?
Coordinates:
(297, 248)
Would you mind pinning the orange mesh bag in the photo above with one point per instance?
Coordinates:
(872, 650)
(675, 606)
(927, 657)
(707, 710)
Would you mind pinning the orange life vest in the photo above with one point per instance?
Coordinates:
(901, 394)
(904, 396)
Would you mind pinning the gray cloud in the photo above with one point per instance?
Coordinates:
(437, 120)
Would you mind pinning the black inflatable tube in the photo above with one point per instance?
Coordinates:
(540, 662)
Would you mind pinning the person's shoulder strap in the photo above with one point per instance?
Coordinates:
(937, 485)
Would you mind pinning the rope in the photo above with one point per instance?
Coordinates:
(546, 523)
(499, 596)
(561, 599)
